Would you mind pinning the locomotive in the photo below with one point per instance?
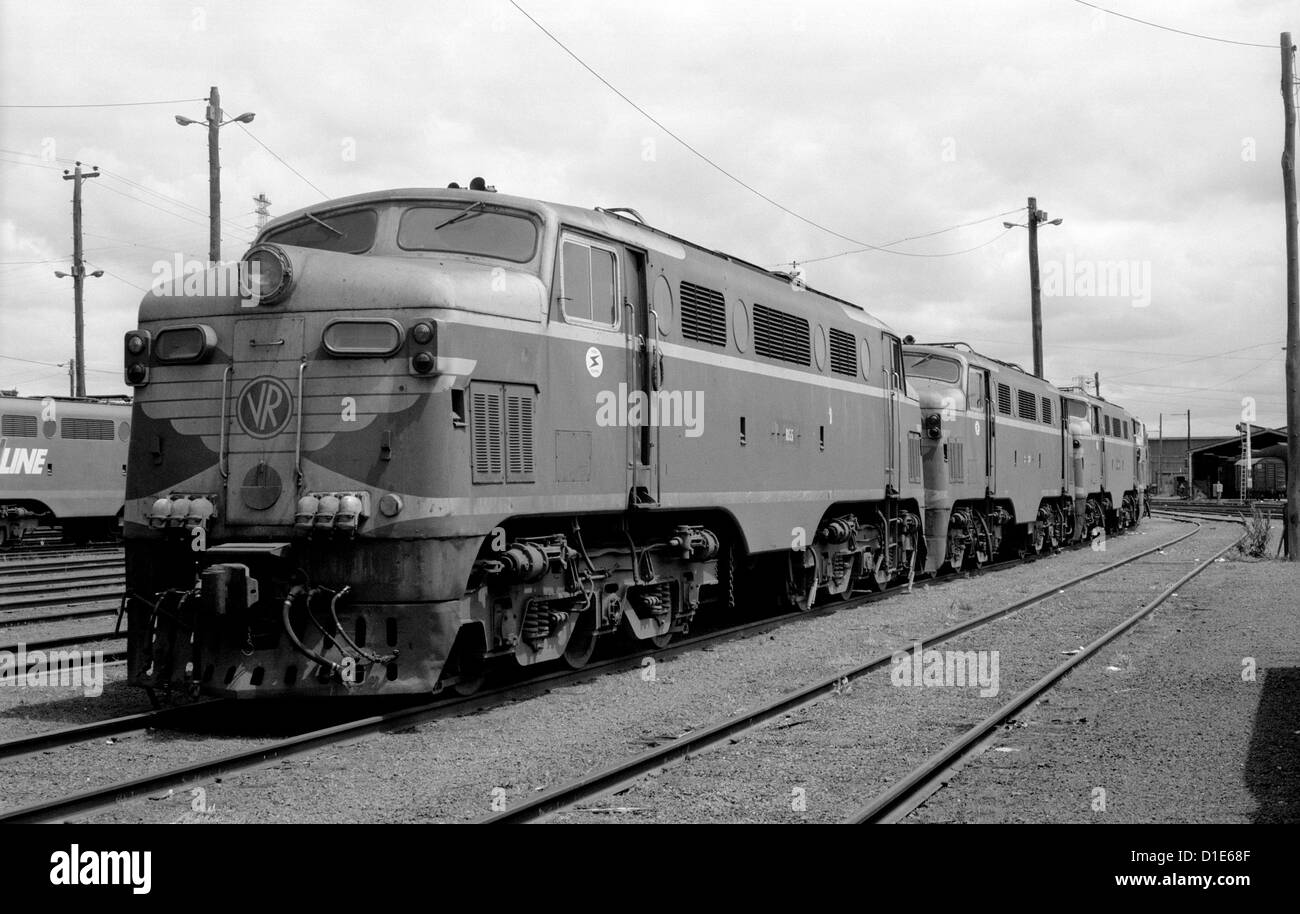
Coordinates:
(62, 461)
(1011, 460)
(438, 429)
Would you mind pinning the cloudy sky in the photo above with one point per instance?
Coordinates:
(872, 121)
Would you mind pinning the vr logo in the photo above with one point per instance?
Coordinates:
(265, 407)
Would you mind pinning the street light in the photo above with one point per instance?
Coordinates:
(1036, 218)
(78, 276)
(214, 123)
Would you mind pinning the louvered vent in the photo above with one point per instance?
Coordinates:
(844, 353)
(1004, 399)
(913, 457)
(1027, 404)
(1047, 411)
(704, 315)
(88, 429)
(18, 426)
(778, 335)
(519, 435)
(956, 461)
(485, 432)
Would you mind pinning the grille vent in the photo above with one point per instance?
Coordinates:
(704, 315)
(844, 353)
(782, 336)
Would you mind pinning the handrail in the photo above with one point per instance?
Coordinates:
(221, 447)
(297, 447)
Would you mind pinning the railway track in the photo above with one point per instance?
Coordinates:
(53, 583)
(65, 808)
(622, 774)
(896, 803)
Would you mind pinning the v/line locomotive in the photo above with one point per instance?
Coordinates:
(62, 461)
(443, 428)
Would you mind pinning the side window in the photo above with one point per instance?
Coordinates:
(976, 387)
(896, 376)
(588, 283)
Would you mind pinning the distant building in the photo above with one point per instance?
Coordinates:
(1218, 459)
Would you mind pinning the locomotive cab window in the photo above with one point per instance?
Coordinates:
(361, 338)
(457, 228)
(976, 388)
(588, 283)
(346, 233)
(933, 367)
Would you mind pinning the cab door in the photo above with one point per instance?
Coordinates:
(981, 405)
(893, 383)
(645, 376)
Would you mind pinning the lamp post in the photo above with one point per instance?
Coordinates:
(214, 122)
(1036, 216)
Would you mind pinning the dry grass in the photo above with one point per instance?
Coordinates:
(1255, 543)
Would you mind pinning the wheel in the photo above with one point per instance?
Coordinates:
(1094, 519)
(1045, 538)
(661, 641)
(958, 535)
(467, 686)
(801, 575)
(582, 643)
(981, 552)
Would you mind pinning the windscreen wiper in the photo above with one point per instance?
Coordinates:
(459, 216)
(324, 224)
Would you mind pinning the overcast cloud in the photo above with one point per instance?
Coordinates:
(877, 120)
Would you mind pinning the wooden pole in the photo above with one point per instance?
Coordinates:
(1035, 290)
(1292, 520)
(78, 280)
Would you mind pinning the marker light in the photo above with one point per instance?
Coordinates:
(180, 509)
(306, 515)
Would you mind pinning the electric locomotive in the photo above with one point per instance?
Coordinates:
(1013, 463)
(441, 428)
(62, 461)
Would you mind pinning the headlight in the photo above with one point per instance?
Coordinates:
(934, 425)
(267, 275)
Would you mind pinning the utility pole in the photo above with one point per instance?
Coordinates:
(1161, 472)
(72, 377)
(1035, 290)
(214, 177)
(1036, 216)
(1096, 383)
(263, 212)
(1292, 524)
(78, 277)
(1189, 455)
(214, 124)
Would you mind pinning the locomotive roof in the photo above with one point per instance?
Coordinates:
(601, 222)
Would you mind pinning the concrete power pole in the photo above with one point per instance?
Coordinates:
(1292, 307)
(78, 277)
